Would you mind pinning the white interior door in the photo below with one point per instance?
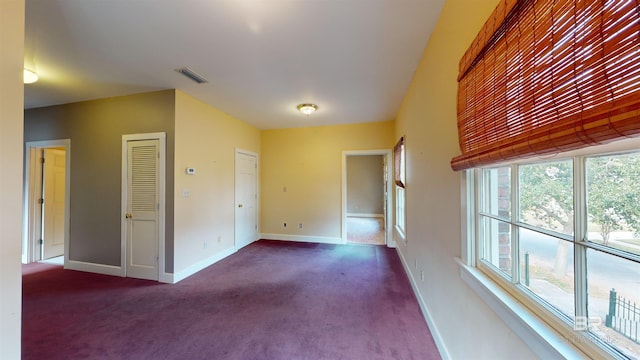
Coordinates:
(54, 203)
(246, 213)
(142, 207)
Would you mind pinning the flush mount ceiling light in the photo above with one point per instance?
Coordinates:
(307, 109)
(29, 76)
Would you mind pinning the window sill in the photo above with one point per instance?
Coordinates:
(541, 339)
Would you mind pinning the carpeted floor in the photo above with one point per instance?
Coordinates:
(365, 230)
(271, 300)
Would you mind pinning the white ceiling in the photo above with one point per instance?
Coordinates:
(353, 58)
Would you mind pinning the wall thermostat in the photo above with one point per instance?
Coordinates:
(191, 171)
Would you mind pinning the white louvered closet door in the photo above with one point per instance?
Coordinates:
(142, 209)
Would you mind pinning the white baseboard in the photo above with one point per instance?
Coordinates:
(365, 215)
(94, 268)
(183, 274)
(166, 278)
(444, 354)
(303, 238)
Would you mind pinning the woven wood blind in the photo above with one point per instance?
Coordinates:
(398, 163)
(545, 76)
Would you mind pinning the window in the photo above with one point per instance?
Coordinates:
(563, 236)
(400, 206)
(546, 77)
(399, 180)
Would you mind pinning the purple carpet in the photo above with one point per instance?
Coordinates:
(271, 300)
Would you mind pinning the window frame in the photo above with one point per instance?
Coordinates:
(548, 331)
(400, 189)
(400, 211)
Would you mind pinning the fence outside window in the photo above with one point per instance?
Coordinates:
(623, 316)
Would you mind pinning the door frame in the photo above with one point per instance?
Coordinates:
(388, 216)
(235, 194)
(32, 218)
(161, 137)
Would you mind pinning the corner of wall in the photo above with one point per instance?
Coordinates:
(11, 146)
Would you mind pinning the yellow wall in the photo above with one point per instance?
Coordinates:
(206, 139)
(467, 327)
(308, 163)
(11, 104)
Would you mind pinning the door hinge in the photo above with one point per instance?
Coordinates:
(41, 201)
(41, 241)
(42, 160)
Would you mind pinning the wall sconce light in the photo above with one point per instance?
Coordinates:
(307, 109)
(29, 76)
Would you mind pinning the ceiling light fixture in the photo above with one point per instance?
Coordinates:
(29, 76)
(307, 109)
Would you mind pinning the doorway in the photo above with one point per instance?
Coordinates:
(366, 196)
(47, 179)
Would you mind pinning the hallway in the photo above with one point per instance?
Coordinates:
(365, 230)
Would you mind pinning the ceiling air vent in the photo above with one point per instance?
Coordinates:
(192, 75)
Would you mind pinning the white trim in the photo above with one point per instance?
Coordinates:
(435, 333)
(541, 339)
(29, 223)
(93, 268)
(161, 137)
(235, 199)
(365, 215)
(166, 278)
(388, 156)
(468, 212)
(200, 265)
(303, 238)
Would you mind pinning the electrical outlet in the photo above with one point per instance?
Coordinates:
(300, 226)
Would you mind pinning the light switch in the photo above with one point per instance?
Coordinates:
(186, 193)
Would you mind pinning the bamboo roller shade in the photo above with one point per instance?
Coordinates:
(546, 76)
(398, 163)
